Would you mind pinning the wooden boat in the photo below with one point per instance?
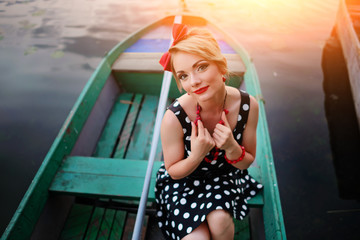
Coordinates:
(92, 178)
(348, 32)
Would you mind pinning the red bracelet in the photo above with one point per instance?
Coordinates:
(239, 159)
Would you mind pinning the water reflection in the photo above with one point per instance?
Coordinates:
(342, 121)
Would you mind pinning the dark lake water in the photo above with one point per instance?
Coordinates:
(49, 49)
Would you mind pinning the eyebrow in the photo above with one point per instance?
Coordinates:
(193, 66)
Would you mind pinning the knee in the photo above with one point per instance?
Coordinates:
(219, 221)
(199, 233)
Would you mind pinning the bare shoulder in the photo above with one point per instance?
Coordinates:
(233, 92)
(170, 121)
(254, 111)
(188, 105)
(185, 101)
(254, 104)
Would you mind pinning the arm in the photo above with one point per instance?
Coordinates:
(225, 140)
(173, 146)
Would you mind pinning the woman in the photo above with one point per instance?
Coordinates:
(203, 183)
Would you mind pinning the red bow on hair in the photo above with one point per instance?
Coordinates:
(179, 31)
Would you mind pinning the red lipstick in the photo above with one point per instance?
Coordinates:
(201, 90)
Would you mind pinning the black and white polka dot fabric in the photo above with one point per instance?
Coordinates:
(182, 205)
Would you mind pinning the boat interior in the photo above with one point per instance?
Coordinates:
(97, 188)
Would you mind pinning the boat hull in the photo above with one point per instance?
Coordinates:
(49, 198)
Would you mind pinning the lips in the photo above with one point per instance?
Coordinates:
(201, 90)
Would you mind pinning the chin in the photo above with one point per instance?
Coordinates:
(204, 97)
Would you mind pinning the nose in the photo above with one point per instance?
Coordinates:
(194, 80)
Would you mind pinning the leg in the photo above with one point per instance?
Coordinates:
(221, 225)
(199, 233)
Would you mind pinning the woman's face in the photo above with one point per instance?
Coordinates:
(199, 77)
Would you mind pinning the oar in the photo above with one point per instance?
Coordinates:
(165, 86)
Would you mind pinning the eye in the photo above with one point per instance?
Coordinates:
(203, 67)
(182, 77)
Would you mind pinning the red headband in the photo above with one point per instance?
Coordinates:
(179, 31)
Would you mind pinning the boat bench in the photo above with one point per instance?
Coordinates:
(113, 178)
(116, 170)
(144, 62)
(104, 178)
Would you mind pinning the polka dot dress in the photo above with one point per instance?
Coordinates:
(182, 205)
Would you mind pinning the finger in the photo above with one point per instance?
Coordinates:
(217, 137)
(224, 118)
(221, 129)
(218, 130)
(193, 130)
(208, 136)
(200, 128)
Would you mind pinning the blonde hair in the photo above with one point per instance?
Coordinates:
(202, 43)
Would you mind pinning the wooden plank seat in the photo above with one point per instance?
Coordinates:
(144, 62)
(113, 178)
(103, 177)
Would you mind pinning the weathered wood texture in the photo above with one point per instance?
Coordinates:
(128, 128)
(351, 48)
(102, 177)
(77, 222)
(112, 129)
(110, 177)
(149, 62)
(89, 135)
(91, 222)
(242, 229)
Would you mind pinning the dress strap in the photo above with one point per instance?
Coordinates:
(243, 116)
(244, 107)
(181, 115)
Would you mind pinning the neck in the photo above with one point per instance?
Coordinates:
(215, 104)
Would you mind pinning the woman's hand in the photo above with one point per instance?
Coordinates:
(201, 141)
(223, 136)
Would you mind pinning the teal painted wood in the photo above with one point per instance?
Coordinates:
(140, 142)
(105, 229)
(144, 83)
(273, 217)
(272, 212)
(257, 201)
(121, 148)
(118, 225)
(103, 166)
(108, 177)
(113, 126)
(94, 225)
(102, 177)
(76, 224)
(242, 229)
(30, 207)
